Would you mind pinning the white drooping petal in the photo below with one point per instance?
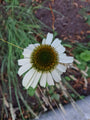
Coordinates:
(59, 72)
(43, 41)
(23, 61)
(49, 38)
(43, 79)
(56, 75)
(24, 68)
(62, 55)
(30, 47)
(65, 59)
(31, 80)
(27, 53)
(35, 81)
(61, 68)
(36, 44)
(56, 43)
(27, 78)
(60, 49)
(50, 79)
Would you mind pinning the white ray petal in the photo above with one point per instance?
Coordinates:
(23, 61)
(59, 72)
(61, 68)
(56, 43)
(36, 44)
(65, 59)
(49, 38)
(35, 81)
(30, 47)
(27, 78)
(60, 49)
(43, 41)
(27, 53)
(31, 80)
(50, 79)
(56, 75)
(43, 80)
(24, 68)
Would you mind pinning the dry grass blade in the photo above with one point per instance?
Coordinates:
(12, 111)
(47, 102)
(43, 106)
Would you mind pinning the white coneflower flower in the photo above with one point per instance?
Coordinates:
(44, 62)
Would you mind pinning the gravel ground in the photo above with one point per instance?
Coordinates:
(82, 112)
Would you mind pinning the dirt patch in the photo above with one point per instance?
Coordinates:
(69, 23)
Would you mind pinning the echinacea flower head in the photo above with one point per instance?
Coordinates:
(43, 63)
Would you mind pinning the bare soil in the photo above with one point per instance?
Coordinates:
(68, 22)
